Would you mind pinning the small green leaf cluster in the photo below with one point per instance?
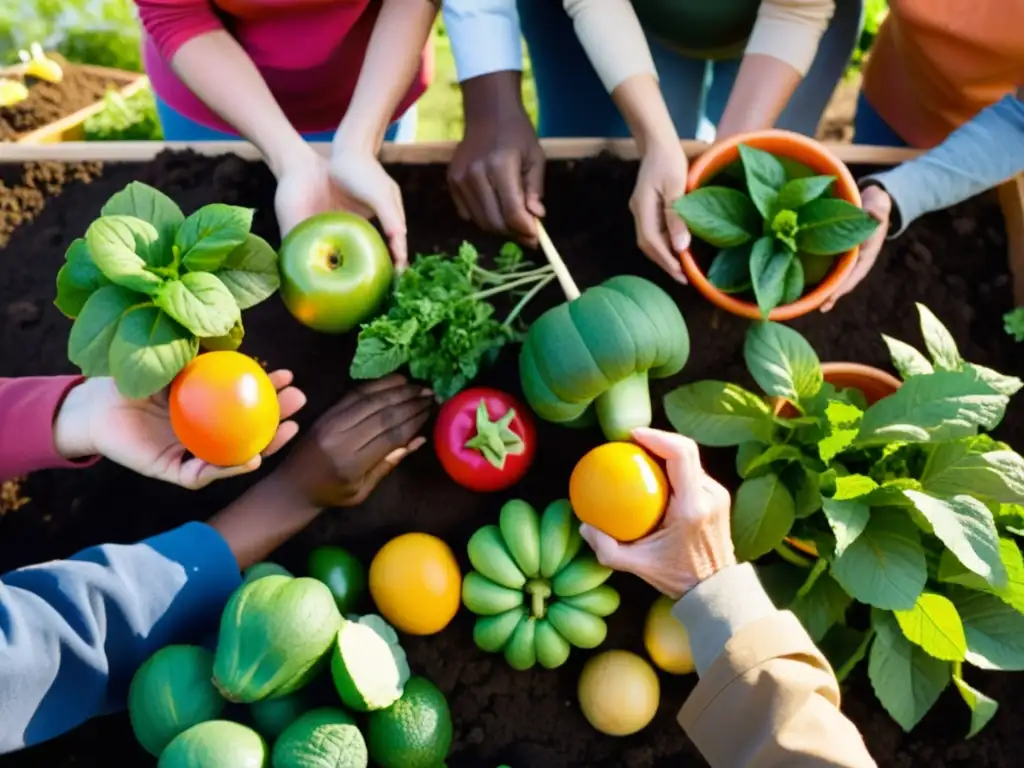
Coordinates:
(146, 286)
(125, 119)
(773, 237)
(910, 509)
(440, 321)
(1013, 322)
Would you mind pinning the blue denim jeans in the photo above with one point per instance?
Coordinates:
(573, 102)
(870, 128)
(178, 127)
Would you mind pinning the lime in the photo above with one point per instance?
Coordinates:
(343, 574)
(416, 732)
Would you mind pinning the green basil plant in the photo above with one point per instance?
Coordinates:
(778, 234)
(146, 286)
(912, 510)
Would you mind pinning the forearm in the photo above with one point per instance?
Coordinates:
(976, 157)
(392, 59)
(217, 70)
(640, 101)
(493, 96)
(762, 89)
(262, 519)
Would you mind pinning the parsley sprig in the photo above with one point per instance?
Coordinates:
(441, 322)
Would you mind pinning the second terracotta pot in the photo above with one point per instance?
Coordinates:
(793, 146)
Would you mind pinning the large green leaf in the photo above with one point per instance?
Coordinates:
(906, 359)
(823, 605)
(995, 631)
(207, 236)
(77, 279)
(769, 265)
(885, 566)
(149, 350)
(772, 453)
(967, 528)
(940, 343)
(842, 421)
(201, 303)
(983, 708)
(845, 648)
(96, 326)
(797, 193)
(830, 225)
(721, 216)
(847, 519)
(762, 514)
(144, 202)
(906, 680)
(953, 468)
(803, 484)
(782, 362)
(1004, 385)
(952, 571)
(765, 176)
(730, 269)
(934, 624)
(123, 248)
(934, 407)
(716, 413)
(250, 272)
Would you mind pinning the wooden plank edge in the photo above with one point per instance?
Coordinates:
(412, 154)
(1011, 200)
(54, 133)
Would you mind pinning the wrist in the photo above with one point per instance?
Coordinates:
(362, 134)
(287, 498)
(287, 153)
(72, 423)
(494, 97)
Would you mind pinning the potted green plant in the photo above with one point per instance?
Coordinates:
(782, 214)
(913, 511)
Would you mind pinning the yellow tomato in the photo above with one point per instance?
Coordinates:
(666, 640)
(619, 489)
(618, 693)
(416, 583)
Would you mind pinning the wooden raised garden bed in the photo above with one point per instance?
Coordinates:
(56, 112)
(955, 262)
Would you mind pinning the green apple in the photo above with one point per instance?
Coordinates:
(335, 271)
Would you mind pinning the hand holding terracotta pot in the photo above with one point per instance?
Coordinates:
(877, 202)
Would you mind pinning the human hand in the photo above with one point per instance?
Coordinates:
(877, 202)
(694, 540)
(356, 443)
(660, 232)
(496, 176)
(96, 418)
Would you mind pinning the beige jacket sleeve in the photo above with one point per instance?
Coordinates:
(766, 696)
(790, 30)
(613, 39)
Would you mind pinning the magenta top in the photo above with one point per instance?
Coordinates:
(28, 408)
(309, 52)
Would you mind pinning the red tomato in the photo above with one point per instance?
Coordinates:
(485, 439)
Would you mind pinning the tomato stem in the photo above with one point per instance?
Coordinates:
(495, 440)
(539, 591)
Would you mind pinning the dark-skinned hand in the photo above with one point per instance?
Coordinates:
(496, 176)
(357, 442)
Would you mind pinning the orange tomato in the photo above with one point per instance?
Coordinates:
(416, 584)
(224, 408)
(619, 489)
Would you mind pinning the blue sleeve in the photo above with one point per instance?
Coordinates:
(73, 632)
(976, 157)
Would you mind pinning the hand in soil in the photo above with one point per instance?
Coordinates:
(877, 202)
(97, 419)
(496, 177)
(660, 233)
(694, 541)
(356, 443)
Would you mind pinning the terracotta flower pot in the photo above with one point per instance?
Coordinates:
(873, 382)
(801, 149)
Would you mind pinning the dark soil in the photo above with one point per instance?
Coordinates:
(49, 102)
(953, 262)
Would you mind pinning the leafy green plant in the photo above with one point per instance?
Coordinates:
(121, 119)
(1013, 322)
(774, 232)
(146, 286)
(875, 12)
(441, 322)
(910, 512)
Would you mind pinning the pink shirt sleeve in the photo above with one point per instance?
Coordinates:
(172, 23)
(27, 410)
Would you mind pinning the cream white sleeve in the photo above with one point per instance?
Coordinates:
(610, 33)
(484, 35)
(790, 30)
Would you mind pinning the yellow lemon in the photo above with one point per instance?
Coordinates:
(666, 640)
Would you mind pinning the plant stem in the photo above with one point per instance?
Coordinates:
(498, 277)
(786, 553)
(539, 591)
(526, 299)
(503, 288)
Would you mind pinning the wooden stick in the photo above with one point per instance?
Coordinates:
(569, 286)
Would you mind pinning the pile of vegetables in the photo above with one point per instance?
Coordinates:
(441, 321)
(147, 286)
(910, 512)
(776, 230)
(536, 595)
(125, 119)
(595, 354)
(281, 639)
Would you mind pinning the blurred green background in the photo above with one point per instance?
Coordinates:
(106, 33)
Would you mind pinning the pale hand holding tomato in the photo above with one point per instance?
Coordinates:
(620, 490)
(694, 540)
(97, 419)
(484, 439)
(356, 443)
(416, 584)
